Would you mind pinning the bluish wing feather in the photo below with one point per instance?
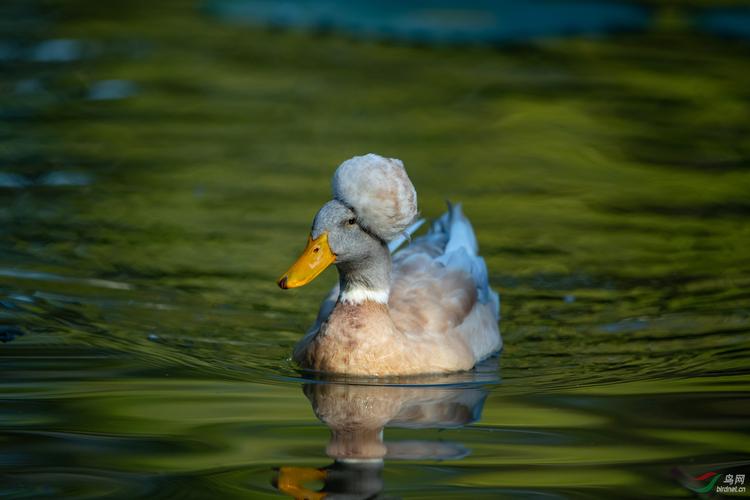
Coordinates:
(460, 232)
(461, 252)
(405, 236)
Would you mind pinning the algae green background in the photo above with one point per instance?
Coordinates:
(607, 180)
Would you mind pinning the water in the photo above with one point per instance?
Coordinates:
(160, 167)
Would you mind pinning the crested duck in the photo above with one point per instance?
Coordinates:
(427, 308)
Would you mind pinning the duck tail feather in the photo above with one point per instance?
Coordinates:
(462, 251)
(461, 234)
(441, 225)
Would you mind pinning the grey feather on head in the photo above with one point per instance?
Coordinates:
(379, 191)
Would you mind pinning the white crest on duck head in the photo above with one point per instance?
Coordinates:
(379, 191)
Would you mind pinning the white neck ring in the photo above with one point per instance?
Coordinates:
(359, 295)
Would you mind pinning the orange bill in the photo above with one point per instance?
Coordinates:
(313, 261)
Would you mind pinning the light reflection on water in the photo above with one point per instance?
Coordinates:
(153, 185)
(357, 414)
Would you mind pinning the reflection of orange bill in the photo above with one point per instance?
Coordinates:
(313, 261)
(291, 481)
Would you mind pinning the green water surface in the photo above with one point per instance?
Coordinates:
(160, 168)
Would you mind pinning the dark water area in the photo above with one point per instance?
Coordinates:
(159, 169)
(438, 21)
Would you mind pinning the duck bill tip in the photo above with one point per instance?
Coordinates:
(316, 257)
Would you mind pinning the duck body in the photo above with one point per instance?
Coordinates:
(441, 315)
(427, 308)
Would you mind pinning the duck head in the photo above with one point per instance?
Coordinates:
(374, 201)
(337, 236)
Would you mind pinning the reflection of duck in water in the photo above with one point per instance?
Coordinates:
(428, 310)
(356, 416)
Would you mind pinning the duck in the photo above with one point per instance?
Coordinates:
(426, 308)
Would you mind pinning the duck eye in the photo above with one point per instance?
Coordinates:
(352, 221)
